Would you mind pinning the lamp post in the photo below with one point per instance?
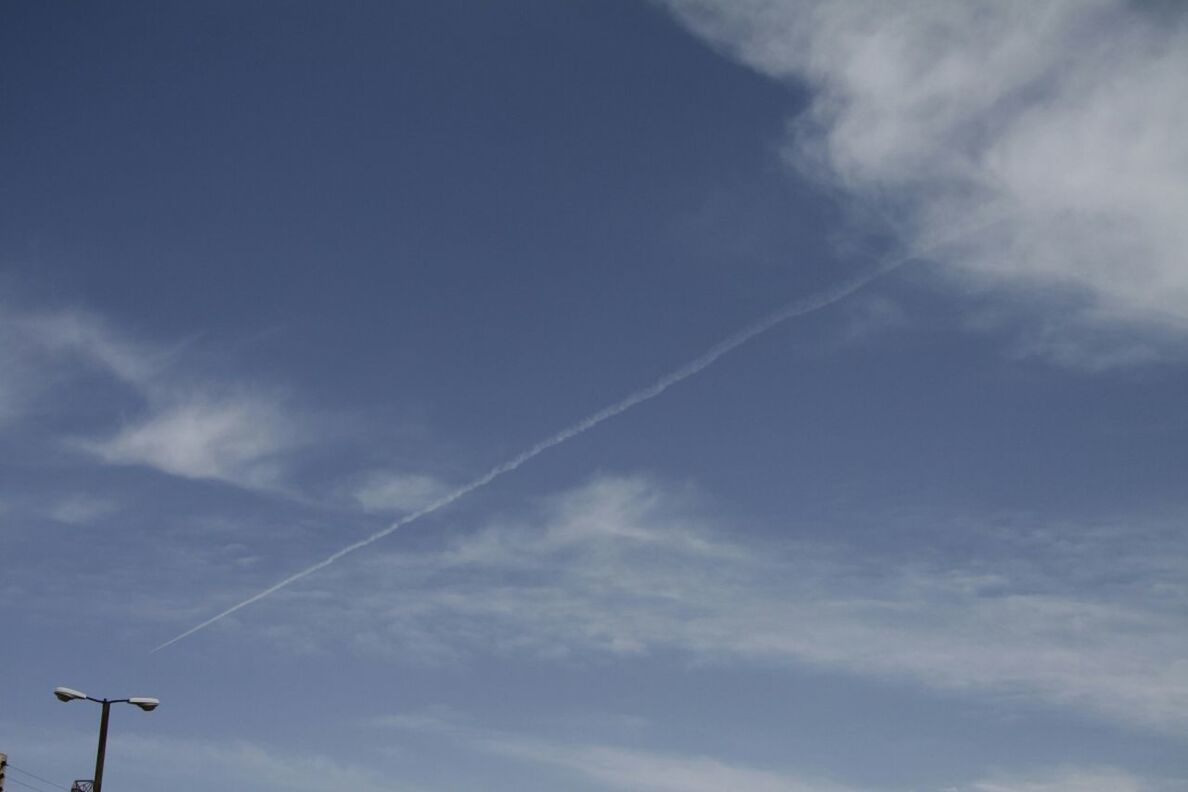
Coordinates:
(145, 703)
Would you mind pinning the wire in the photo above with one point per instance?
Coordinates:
(27, 786)
(11, 766)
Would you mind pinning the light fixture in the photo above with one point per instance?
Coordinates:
(68, 694)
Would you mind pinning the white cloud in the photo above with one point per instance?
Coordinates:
(244, 765)
(398, 492)
(81, 509)
(1071, 779)
(186, 424)
(12, 396)
(642, 771)
(39, 349)
(91, 340)
(612, 766)
(1075, 619)
(871, 316)
(434, 720)
(234, 439)
(1065, 120)
(143, 761)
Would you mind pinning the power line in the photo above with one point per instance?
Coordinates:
(11, 766)
(19, 782)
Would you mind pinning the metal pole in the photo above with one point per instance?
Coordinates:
(102, 746)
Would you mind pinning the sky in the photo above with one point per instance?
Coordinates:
(707, 395)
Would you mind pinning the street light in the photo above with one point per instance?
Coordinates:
(145, 703)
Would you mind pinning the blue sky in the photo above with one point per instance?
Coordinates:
(276, 276)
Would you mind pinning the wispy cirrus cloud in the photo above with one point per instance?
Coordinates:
(1074, 779)
(646, 771)
(610, 766)
(240, 765)
(1081, 619)
(238, 439)
(617, 768)
(89, 339)
(185, 423)
(81, 509)
(149, 761)
(41, 350)
(1063, 119)
(614, 766)
(392, 491)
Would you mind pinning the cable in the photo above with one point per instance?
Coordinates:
(11, 766)
(27, 786)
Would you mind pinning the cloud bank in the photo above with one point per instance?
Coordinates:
(1065, 117)
(615, 768)
(1074, 779)
(1083, 618)
(147, 761)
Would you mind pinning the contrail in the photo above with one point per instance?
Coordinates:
(798, 307)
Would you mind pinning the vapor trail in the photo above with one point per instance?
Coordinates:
(798, 307)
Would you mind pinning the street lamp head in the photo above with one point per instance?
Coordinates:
(145, 703)
(68, 694)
